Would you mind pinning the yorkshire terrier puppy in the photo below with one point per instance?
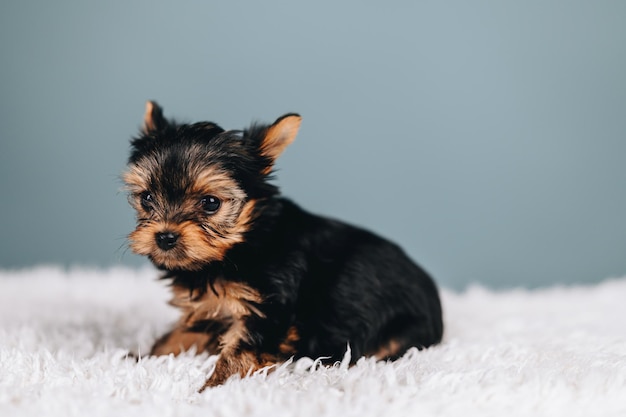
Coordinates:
(258, 279)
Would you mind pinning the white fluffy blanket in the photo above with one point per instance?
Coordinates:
(64, 336)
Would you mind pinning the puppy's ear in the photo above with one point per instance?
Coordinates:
(153, 120)
(279, 135)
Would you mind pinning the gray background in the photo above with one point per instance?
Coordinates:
(488, 138)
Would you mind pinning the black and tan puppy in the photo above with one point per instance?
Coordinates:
(257, 278)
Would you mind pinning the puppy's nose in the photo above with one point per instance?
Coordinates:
(166, 240)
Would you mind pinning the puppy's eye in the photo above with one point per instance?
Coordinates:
(210, 203)
(147, 201)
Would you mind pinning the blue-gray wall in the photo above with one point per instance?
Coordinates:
(487, 137)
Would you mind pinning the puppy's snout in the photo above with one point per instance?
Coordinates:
(166, 240)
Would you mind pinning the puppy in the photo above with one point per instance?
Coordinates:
(257, 278)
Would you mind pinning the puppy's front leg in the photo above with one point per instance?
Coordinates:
(182, 339)
(239, 363)
(239, 355)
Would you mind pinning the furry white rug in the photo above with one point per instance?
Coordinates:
(64, 336)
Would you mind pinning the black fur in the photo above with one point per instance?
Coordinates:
(335, 284)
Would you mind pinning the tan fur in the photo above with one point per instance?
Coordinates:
(215, 181)
(148, 122)
(241, 363)
(234, 301)
(137, 178)
(198, 244)
(287, 347)
(235, 362)
(279, 136)
(390, 349)
(180, 340)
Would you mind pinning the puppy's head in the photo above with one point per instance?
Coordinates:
(195, 186)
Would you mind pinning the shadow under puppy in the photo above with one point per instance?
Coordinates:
(257, 278)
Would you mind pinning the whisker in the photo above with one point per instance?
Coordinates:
(208, 228)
